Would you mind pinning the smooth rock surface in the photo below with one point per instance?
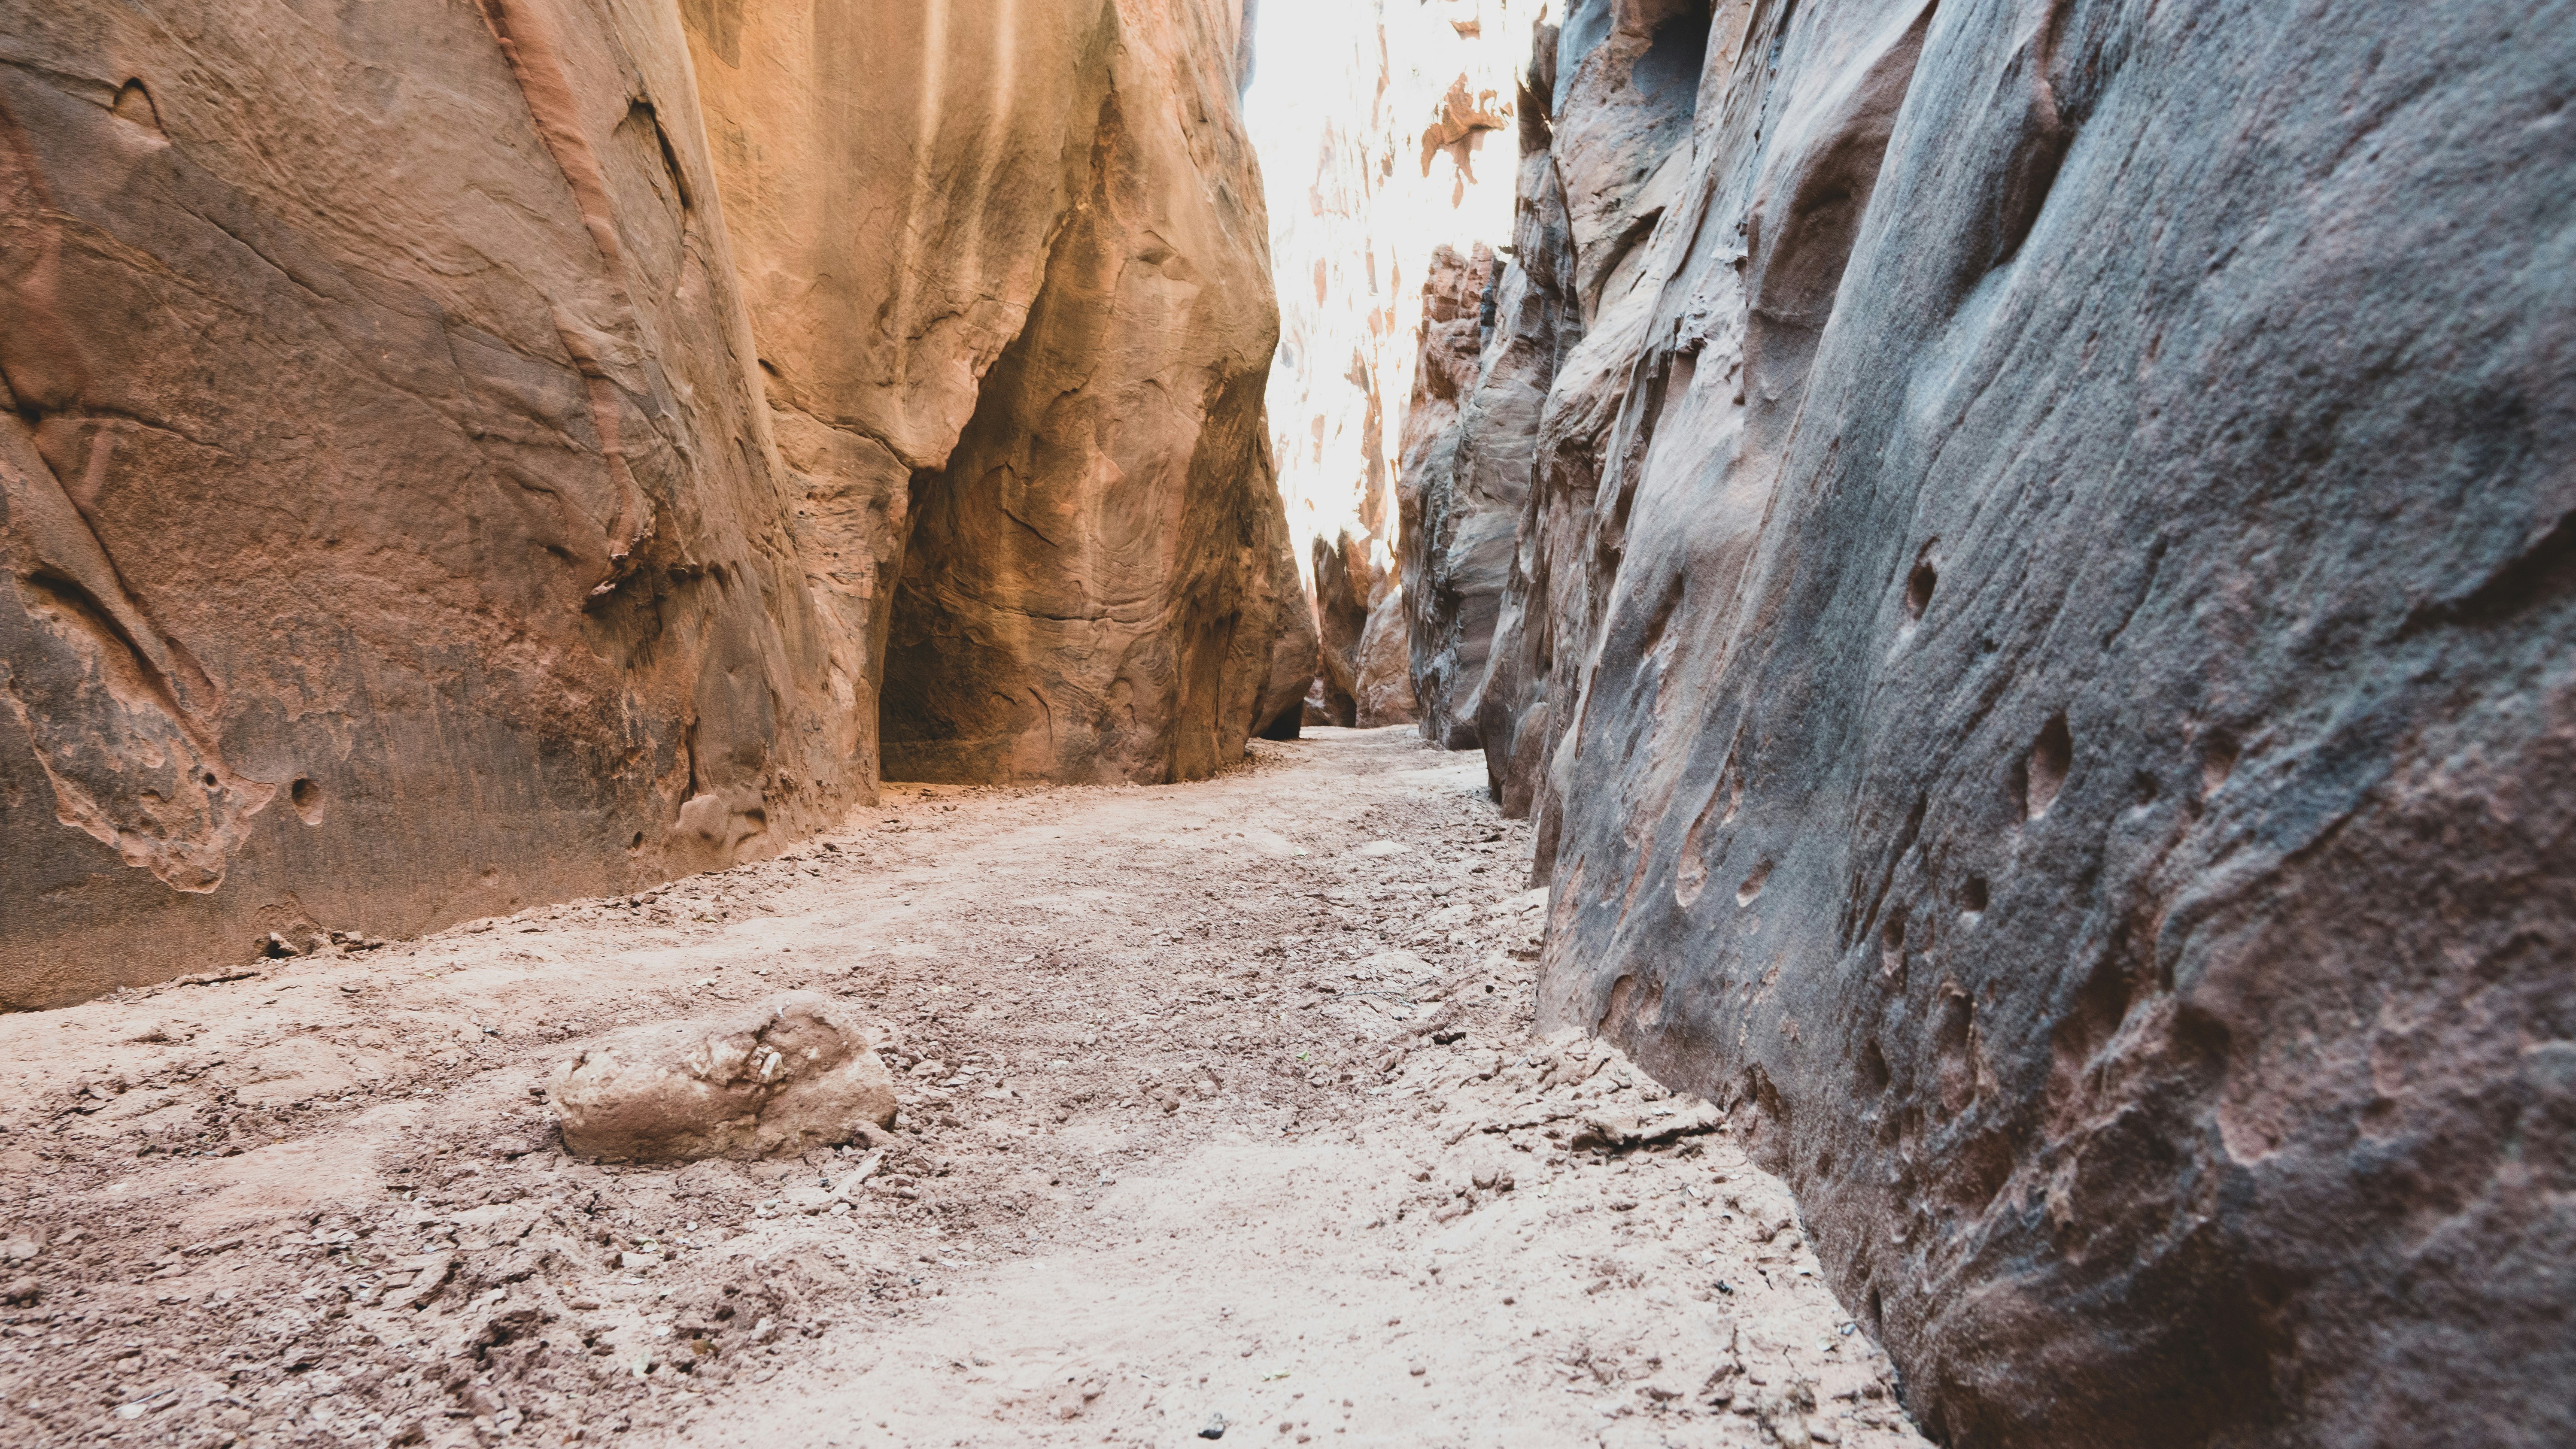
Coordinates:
(1343, 590)
(796, 1073)
(1382, 684)
(391, 536)
(2038, 645)
(1365, 674)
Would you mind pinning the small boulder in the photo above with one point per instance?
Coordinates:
(1616, 1131)
(795, 1074)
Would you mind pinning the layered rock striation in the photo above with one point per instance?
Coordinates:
(462, 455)
(2037, 633)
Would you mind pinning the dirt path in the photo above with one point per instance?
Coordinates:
(1221, 1106)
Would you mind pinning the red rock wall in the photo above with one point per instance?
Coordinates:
(1014, 310)
(1097, 577)
(2039, 644)
(444, 469)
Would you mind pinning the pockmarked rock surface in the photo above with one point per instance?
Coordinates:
(457, 455)
(795, 1074)
(2037, 647)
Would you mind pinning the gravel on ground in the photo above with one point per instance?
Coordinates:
(1222, 1115)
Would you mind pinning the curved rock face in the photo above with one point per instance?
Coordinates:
(391, 533)
(1090, 590)
(1382, 692)
(1026, 404)
(2039, 640)
(1604, 105)
(1366, 675)
(441, 471)
(891, 238)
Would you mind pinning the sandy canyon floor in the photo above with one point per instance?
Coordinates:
(1223, 1117)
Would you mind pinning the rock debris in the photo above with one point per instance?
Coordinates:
(1206, 1117)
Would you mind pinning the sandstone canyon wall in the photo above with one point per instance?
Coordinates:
(2038, 631)
(1386, 131)
(457, 455)
(1040, 388)
(1025, 410)
(1454, 541)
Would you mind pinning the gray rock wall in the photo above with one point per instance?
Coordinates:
(1454, 535)
(2040, 641)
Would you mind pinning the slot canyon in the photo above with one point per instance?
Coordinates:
(1433, 722)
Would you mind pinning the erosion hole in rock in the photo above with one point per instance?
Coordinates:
(1953, 1046)
(1972, 896)
(307, 799)
(134, 103)
(1746, 893)
(1676, 55)
(2042, 773)
(1874, 1075)
(1918, 589)
(2144, 789)
(647, 123)
(2218, 754)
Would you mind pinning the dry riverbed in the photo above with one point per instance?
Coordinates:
(1222, 1115)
